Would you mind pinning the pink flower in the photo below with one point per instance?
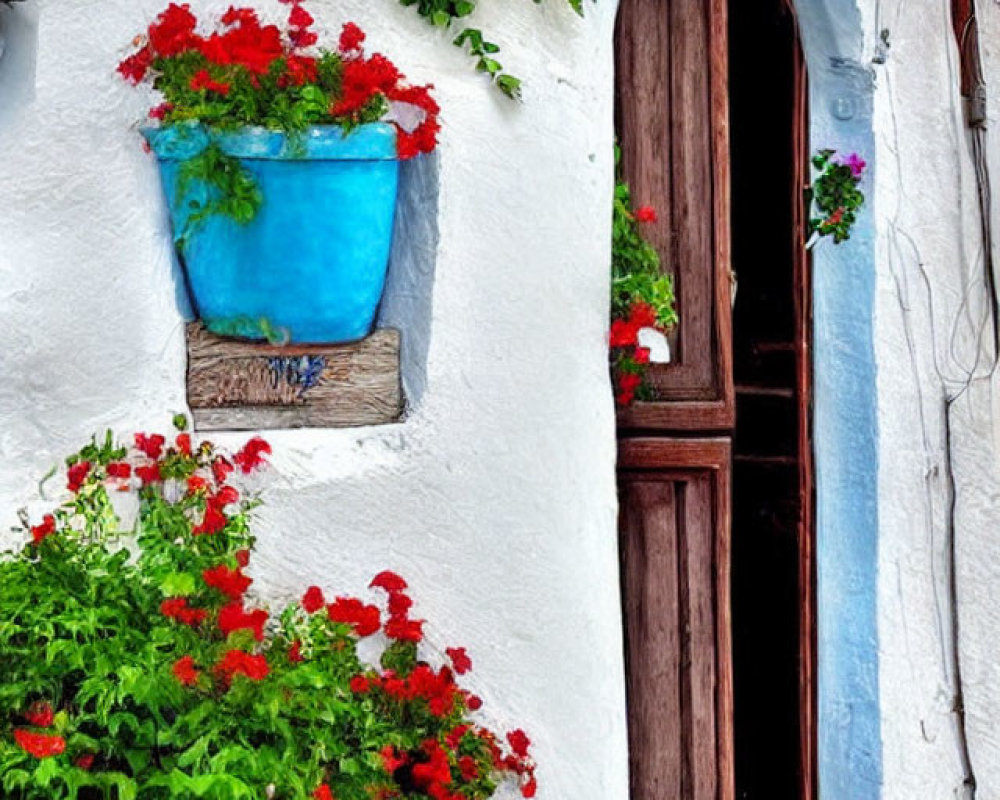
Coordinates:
(856, 163)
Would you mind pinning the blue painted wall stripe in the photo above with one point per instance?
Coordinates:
(845, 422)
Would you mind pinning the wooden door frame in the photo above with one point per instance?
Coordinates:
(802, 279)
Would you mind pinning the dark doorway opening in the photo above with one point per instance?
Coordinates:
(771, 533)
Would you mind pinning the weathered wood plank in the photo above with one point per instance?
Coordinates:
(239, 385)
(653, 646)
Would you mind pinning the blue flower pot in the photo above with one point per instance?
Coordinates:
(310, 266)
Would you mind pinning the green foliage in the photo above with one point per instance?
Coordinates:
(87, 635)
(835, 194)
(231, 189)
(443, 13)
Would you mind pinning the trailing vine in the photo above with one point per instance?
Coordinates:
(444, 13)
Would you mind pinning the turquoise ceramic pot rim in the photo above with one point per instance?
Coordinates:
(375, 141)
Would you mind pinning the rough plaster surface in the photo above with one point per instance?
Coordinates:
(496, 497)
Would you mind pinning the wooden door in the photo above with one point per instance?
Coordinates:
(675, 452)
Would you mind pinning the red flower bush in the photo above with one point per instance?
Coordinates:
(173, 655)
(248, 73)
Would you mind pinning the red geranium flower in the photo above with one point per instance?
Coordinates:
(364, 619)
(642, 315)
(203, 80)
(299, 17)
(405, 630)
(323, 792)
(645, 214)
(47, 528)
(473, 702)
(173, 32)
(176, 608)
(250, 456)
(459, 659)
(360, 684)
(392, 759)
(221, 468)
(76, 475)
(399, 604)
(243, 558)
(231, 582)
(135, 67)
(389, 581)
(39, 714)
(119, 469)
(183, 442)
(39, 745)
(241, 16)
(454, 738)
(530, 787)
(185, 672)
(152, 446)
(295, 652)
(623, 333)
(351, 38)
(234, 617)
(237, 661)
(519, 742)
(312, 600)
(149, 473)
(467, 766)
(86, 761)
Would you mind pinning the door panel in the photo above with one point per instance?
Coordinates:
(674, 539)
(673, 131)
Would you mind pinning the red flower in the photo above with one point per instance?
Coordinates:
(76, 475)
(295, 652)
(399, 604)
(530, 787)
(149, 473)
(152, 446)
(172, 33)
(389, 581)
(419, 96)
(459, 659)
(243, 558)
(86, 761)
(234, 617)
(323, 792)
(176, 608)
(231, 582)
(623, 333)
(438, 689)
(240, 15)
(392, 760)
(184, 443)
(519, 742)
(39, 714)
(454, 738)
(469, 769)
(203, 80)
(645, 214)
(312, 600)
(365, 619)
(196, 483)
(300, 37)
(641, 355)
(119, 469)
(238, 662)
(135, 67)
(422, 140)
(249, 458)
(360, 684)
(299, 70)
(299, 17)
(39, 744)
(642, 315)
(213, 522)
(185, 672)
(405, 630)
(351, 38)
(221, 468)
(473, 702)
(435, 770)
(47, 528)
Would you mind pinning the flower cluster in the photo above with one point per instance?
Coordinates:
(642, 295)
(249, 73)
(836, 195)
(173, 654)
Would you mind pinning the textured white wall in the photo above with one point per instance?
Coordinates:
(496, 497)
(933, 342)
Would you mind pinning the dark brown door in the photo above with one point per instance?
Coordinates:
(675, 452)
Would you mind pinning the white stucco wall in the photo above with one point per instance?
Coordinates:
(932, 342)
(496, 497)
